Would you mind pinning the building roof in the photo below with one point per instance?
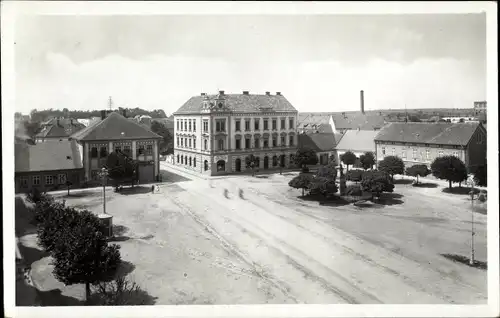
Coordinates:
(358, 120)
(115, 127)
(319, 142)
(47, 156)
(313, 118)
(63, 127)
(243, 103)
(458, 134)
(358, 140)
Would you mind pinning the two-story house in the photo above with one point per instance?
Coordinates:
(58, 128)
(115, 132)
(215, 134)
(421, 143)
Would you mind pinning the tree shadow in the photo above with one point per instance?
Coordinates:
(124, 269)
(118, 234)
(31, 254)
(403, 181)
(466, 260)
(171, 177)
(56, 298)
(480, 208)
(138, 297)
(81, 194)
(460, 190)
(426, 185)
(135, 190)
(333, 200)
(24, 218)
(262, 176)
(389, 199)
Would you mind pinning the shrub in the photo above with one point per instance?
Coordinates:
(392, 165)
(304, 157)
(348, 158)
(119, 292)
(418, 171)
(354, 190)
(449, 168)
(481, 176)
(354, 175)
(323, 186)
(301, 181)
(367, 160)
(304, 170)
(376, 182)
(35, 196)
(328, 171)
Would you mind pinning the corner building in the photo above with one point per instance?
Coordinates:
(215, 134)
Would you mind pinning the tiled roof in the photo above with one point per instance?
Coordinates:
(313, 118)
(429, 133)
(65, 127)
(239, 103)
(319, 142)
(358, 140)
(115, 127)
(360, 121)
(47, 156)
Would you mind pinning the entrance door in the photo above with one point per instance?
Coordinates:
(221, 166)
(266, 162)
(205, 165)
(237, 163)
(282, 160)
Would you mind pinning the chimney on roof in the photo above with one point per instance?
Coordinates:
(221, 92)
(268, 93)
(203, 94)
(124, 113)
(278, 93)
(362, 101)
(103, 114)
(245, 92)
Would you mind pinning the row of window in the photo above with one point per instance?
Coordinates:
(185, 142)
(49, 180)
(184, 160)
(220, 124)
(186, 125)
(415, 153)
(103, 151)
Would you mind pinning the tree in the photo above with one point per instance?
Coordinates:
(392, 165)
(304, 157)
(367, 160)
(82, 254)
(121, 168)
(323, 185)
(418, 171)
(162, 130)
(449, 168)
(302, 181)
(376, 182)
(251, 163)
(348, 158)
(414, 119)
(481, 176)
(354, 175)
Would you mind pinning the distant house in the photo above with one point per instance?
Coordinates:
(88, 121)
(58, 128)
(421, 143)
(343, 122)
(357, 141)
(47, 165)
(322, 143)
(117, 133)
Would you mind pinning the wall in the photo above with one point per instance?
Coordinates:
(477, 150)
(75, 176)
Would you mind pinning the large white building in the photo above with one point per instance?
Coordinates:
(216, 134)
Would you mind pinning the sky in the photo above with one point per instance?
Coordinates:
(318, 62)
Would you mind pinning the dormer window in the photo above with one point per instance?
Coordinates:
(220, 105)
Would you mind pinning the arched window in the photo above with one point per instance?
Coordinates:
(182, 159)
(205, 144)
(194, 162)
(185, 160)
(177, 158)
(205, 164)
(190, 161)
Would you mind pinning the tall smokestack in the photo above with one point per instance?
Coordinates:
(362, 101)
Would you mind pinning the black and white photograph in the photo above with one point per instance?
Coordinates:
(250, 159)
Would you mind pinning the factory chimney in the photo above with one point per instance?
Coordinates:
(362, 101)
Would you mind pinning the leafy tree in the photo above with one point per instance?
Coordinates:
(327, 171)
(354, 190)
(121, 168)
(323, 185)
(367, 160)
(376, 182)
(392, 165)
(251, 163)
(449, 168)
(348, 158)
(481, 176)
(304, 157)
(414, 119)
(354, 175)
(166, 146)
(302, 181)
(418, 171)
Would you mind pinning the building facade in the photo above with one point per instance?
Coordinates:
(479, 107)
(215, 134)
(421, 143)
(117, 133)
(58, 128)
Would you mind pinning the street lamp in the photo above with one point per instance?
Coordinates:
(471, 183)
(104, 175)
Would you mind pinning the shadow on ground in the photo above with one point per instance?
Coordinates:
(403, 181)
(24, 218)
(324, 201)
(131, 295)
(79, 194)
(466, 261)
(135, 190)
(118, 234)
(460, 190)
(426, 185)
(124, 269)
(171, 177)
(52, 298)
(31, 255)
(389, 199)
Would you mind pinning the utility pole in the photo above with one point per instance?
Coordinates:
(472, 222)
(110, 103)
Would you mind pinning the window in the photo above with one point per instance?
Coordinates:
(266, 124)
(205, 144)
(257, 144)
(221, 144)
(220, 126)
(291, 140)
(247, 143)
(247, 124)
(182, 142)
(403, 153)
(414, 154)
(189, 124)
(283, 124)
(238, 143)
(182, 125)
(149, 149)
(126, 150)
(23, 182)
(118, 148)
(140, 150)
(49, 180)
(185, 142)
(177, 158)
(182, 159)
(103, 152)
(393, 151)
(35, 180)
(455, 153)
(194, 143)
(190, 161)
(238, 125)
(194, 124)
(383, 151)
(177, 122)
(177, 141)
(283, 140)
(189, 142)
(93, 152)
(256, 123)
(427, 154)
(185, 125)
(275, 124)
(194, 162)
(290, 123)
(205, 125)
(266, 143)
(440, 153)
(275, 142)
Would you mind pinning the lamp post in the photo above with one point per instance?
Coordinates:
(104, 175)
(471, 183)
